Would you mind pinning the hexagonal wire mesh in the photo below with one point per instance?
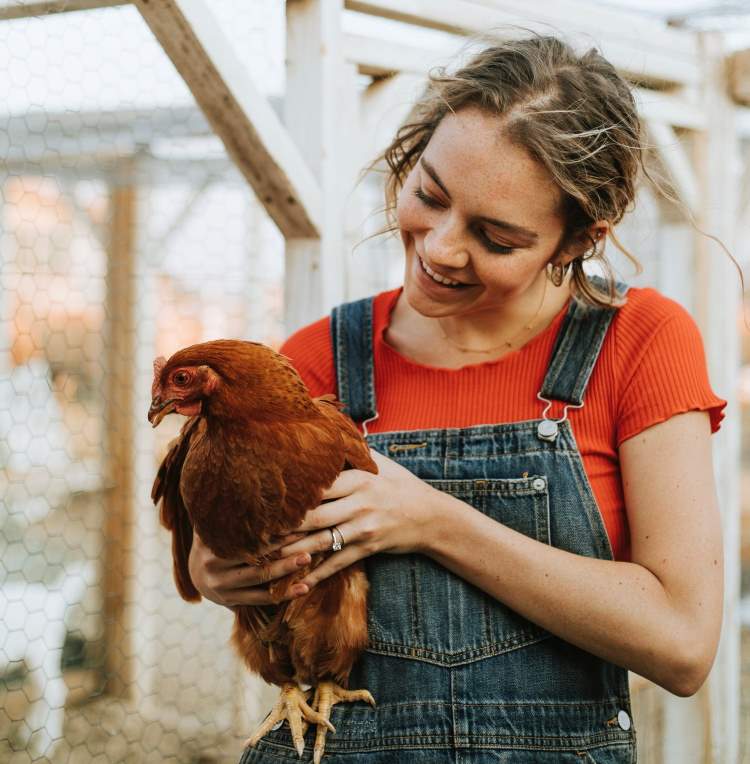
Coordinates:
(126, 234)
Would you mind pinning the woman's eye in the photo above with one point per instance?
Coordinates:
(428, 200)
(493, 246)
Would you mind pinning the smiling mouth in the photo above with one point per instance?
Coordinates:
(442, 280)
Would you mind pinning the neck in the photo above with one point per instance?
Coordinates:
(503, 327)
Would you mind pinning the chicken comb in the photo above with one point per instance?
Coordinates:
(159, 365)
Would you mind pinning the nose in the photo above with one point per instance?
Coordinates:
(445, 245)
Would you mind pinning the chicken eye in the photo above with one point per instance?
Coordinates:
(181, 378)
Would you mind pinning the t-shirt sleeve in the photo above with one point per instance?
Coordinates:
(668, 377)
(309, 350)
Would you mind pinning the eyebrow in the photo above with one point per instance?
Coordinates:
(510, 227)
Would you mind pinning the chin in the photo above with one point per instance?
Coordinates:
(421, 300)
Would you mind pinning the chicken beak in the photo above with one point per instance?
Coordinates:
(159, 409)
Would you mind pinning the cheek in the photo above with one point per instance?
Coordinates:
(410, 213)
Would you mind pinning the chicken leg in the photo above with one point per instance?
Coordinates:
(292, 706)
(327, 695)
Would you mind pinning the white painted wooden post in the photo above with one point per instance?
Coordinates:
(384, 107)
(315, 277)
(720, 297)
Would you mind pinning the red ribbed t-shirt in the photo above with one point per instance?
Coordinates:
(652, 366)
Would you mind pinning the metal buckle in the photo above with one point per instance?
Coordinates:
(548, 428)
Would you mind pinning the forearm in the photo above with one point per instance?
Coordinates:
(619, 611)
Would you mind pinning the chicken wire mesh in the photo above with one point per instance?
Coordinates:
(126, 233)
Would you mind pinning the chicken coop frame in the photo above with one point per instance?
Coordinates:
(695, 99)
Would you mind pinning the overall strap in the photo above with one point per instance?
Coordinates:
(351, 338)
(577, 347)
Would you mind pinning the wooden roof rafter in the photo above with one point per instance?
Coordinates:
(254, 136)
(21, 9)
(379, 58)
(642, 50)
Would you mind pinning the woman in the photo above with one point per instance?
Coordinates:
(545, 494)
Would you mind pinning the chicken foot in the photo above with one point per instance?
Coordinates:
(327, 695)
(292, 705)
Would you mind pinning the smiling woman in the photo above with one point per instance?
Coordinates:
(477, 237)
(544, 516)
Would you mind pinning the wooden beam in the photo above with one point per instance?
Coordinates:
(677, 162)
(317, 105)
(240, 115)
(118, 431)
(673, 109)
(640, 48)
(719, 292)
(382, 58)
(384, 106)
(743, 122)
(738, 72)
(18, 9)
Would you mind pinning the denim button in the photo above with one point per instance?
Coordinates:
(547, 430)
(623, 720)
(539, 484)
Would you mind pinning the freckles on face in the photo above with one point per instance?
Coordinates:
(494, 202)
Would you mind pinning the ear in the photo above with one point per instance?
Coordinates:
(210, 379)
(578, 244)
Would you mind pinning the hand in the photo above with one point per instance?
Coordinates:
(388, 512)
(239, 582)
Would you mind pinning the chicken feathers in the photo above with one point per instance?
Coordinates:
(254, 457)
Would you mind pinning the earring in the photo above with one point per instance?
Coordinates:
(557, 273)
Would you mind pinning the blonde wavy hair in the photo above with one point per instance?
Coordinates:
(573, 113)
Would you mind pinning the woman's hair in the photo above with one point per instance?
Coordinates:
(573, 113)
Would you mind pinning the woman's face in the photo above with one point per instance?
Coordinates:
(479, 211)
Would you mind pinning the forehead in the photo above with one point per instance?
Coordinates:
(480, 166)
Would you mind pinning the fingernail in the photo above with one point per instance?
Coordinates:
(303, 559)
(299, 589)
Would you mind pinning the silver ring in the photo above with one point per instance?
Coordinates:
(337, 543)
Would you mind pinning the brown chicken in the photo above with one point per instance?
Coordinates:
(254, 457)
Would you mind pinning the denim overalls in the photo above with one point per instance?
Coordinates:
(458, 677)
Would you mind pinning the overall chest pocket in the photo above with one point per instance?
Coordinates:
(419, 609)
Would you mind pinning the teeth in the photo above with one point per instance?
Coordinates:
(437, 277)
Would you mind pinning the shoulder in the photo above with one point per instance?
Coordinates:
(651, 324)
(646, 310)
(311, 353)
(309, 350)
(659, 363)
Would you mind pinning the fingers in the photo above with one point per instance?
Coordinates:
(259, 575)
(274, 546)
(347, 482)
(324, 516)
(336, 562)
(321, 541)
(247, 584)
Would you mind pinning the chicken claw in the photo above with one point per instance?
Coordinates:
(327, 695)
(292, 706)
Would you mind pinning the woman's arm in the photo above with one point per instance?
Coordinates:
(659, 615)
